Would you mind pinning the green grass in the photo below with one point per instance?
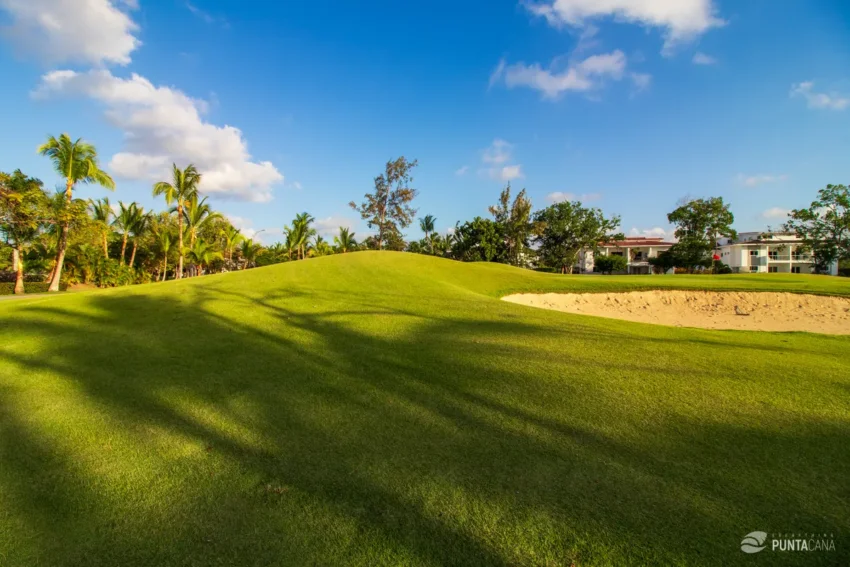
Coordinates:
(387, 409)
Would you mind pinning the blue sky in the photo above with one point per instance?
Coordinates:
(629, 105)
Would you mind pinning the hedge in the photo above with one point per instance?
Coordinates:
(29, 287)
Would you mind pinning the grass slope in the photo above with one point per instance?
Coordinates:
(388, 409)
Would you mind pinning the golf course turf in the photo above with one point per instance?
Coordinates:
(383, 408)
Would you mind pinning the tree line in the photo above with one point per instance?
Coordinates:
(55, 239)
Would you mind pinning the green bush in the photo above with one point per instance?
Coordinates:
(609, 264)
(111, 273)
(7, 288)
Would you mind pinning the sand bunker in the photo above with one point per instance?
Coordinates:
(752, 311)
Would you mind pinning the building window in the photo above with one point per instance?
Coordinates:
(795, 270)
(772, 269)
(754, 252)
(754, 268)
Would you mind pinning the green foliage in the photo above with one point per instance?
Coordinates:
(516, 226)
(109, 272)
(663, 262)
(609, 264)
(8, 288)
(479, 240)
(565, 228)
(345, 240)
(699, 224)
(825, 226)
(388, 208)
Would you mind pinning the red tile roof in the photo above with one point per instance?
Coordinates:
(636, 241)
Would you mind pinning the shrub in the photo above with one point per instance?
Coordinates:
(7, 288)
(110, 273)
(609, 264)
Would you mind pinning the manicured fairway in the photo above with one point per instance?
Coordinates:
(387, 409)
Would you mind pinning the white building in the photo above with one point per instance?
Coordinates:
(636, 249)
(759, 252)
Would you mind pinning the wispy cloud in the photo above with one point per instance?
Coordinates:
(205, 16)
(578, 76)
(680, 20)
(462, 170)
(560, 196)
(776, 213)
(495, 159)
(701, 58)
(655, 232)
(762, 179)
(829, 101)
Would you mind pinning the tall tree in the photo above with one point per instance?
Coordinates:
(824, 227)
(426, 224)
(102, 213)
(298, 235)
(515, 220)
(564, 229)
(125, 220)
(23, 205)
(345, 241)
(231, 237)
(198, 214)
(249, 250)
(183, 187)
(164, 241)
(479, 240)
(141, 226)
(699, 224)
(77, 162)
(388, 208)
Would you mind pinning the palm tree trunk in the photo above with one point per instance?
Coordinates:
(60, 259)
(17, 262)
(165, 266)
(179, 274)
(123, 248)
(63, 243)
(105, 246)
(133, 255)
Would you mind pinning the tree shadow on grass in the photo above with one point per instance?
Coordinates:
(243, 430)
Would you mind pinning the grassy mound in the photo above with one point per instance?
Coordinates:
(388, 409)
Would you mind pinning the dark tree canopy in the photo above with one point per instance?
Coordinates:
(824, 227)
(699, 224)
(388, 208)
(564, 229)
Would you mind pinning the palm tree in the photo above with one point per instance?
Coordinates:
(300, 234)
(77, 163)
(321, 247)
(125, 220)
(427, 225)
(345, 241)
(231, 236)
(183, 187)
(141, 225)
(198, 213)
(164, 241)
(249, 251)
(101, 213)
(202, 254)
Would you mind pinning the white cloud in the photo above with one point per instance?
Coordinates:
(206, 17)
(510, 172)
(581, 76)
(655, 232)
(641, 81)
(680, 20)
(701, 58)
(831, 101)
(462, 170)
(761, 179)
(94, 32)
(776, 213)
(560, 196)
(163, 125)
(496, 158)
(329, 227)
